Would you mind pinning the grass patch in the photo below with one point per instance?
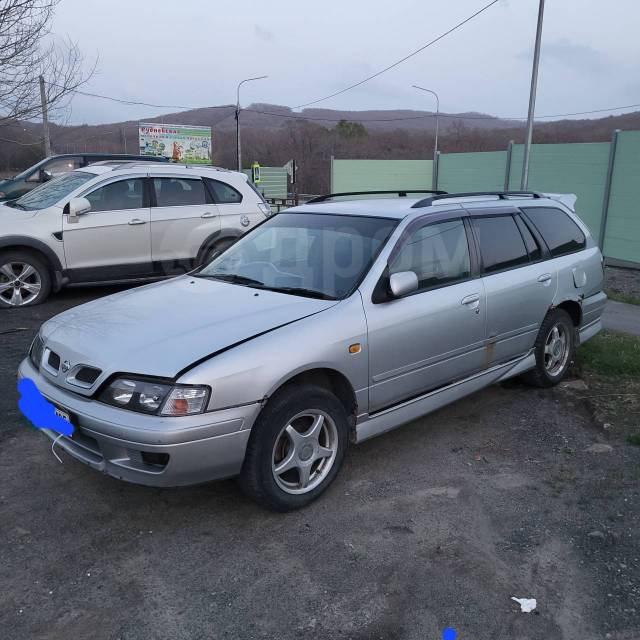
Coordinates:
(622, 297)
(634, 439)
(611, 354)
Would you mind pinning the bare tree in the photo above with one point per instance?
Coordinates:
(26, 53)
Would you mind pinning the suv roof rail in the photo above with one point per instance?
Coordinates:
(401, 193)
(501, 195)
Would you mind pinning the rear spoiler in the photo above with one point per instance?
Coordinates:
(567, 199)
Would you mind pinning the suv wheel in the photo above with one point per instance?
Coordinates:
(296, 448)
(218, 248)
(554, 349)
(24, 280)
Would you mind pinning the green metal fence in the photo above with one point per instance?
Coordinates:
(605, 177)
(368, 175)
(273, 182)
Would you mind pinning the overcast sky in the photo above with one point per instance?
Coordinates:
(194, 52)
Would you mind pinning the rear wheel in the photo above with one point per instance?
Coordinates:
(554, 350)
(296, 448)
(24, 280)
(213, 252)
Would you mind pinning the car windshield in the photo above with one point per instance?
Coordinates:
(307, 254)
(49, 193)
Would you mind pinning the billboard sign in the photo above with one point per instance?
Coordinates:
(185, 144)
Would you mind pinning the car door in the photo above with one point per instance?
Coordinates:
(237, 212)
(435, 335)
(113, 240)
(183, 217)
(520, 283)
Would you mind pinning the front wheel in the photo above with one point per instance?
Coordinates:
(296, 448)
(554, 349)
(24, 280)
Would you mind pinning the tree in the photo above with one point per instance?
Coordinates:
(347, 129)
(26, 53)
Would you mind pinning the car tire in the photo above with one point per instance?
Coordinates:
(25, 280)
(554, 350)
(300, 438)
(214, 251)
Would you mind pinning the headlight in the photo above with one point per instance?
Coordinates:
(265, 208)
(155, 397)
(35, 352)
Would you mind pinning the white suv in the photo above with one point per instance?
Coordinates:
(120, 222)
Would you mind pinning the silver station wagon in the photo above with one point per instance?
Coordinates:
(326, 324)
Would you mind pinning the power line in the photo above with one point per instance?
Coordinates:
(145, 104)
(398, 62)
(442, 115)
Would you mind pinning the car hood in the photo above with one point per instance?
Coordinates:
(161, 329)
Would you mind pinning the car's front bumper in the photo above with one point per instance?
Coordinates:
(202, 447)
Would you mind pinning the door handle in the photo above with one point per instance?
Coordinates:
(468, 301)
(137, 221)
(544, 278)
(472, 302)
(209, 214)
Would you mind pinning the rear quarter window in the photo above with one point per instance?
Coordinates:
(558, 230)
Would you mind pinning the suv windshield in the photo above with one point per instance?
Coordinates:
(49, 193)
(314, 255)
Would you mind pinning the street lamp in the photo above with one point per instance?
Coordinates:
(435, 146)
(524, 184)
(238, 150)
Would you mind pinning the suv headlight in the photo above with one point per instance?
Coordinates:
(155, 397)
(35, 352)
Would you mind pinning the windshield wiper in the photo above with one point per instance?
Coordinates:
(14, 204)
(301, 291)
(233, 278)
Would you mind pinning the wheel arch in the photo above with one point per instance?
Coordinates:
(214, 238)
(20, 243)
(574, 309)
(327, 378)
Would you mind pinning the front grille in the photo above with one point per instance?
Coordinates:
(83, 376)
(53, 360)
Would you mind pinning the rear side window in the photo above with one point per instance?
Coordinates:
(179, 192)
(559, 231)
(437, 253)
(501, 244)
(223, 193)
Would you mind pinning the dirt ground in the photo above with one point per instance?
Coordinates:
(436, 524)
(623, 281)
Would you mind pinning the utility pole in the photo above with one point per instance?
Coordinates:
(45, 118)
(435, 146)
(524, 185)
(238, 147)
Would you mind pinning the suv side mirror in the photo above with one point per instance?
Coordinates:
(402, 283)
(45, 175)
(77, 207)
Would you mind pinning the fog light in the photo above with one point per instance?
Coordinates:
(155, 459)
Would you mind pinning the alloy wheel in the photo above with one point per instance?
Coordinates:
(556, 350)
(20, 283)
(304, 451)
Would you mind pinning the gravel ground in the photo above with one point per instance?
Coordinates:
(624, 281)
(436, 524)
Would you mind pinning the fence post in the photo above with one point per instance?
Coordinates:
(607, 189)
(507, 169)
(434, 171)
(331, 176)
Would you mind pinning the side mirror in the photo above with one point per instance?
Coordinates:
(45, 175)
(402, 283)
(77, 207)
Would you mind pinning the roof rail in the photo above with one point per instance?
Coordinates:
(501, 195)
(402, 193)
